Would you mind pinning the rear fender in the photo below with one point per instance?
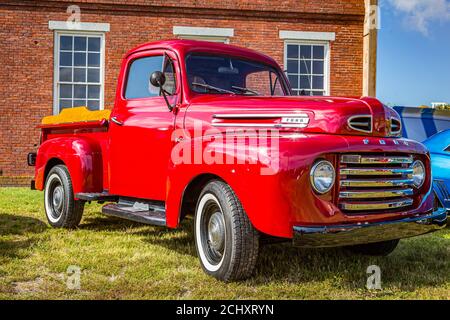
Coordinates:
(83, 158)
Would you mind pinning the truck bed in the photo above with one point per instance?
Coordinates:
(83, 123)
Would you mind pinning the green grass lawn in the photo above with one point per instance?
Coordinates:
(124, 260)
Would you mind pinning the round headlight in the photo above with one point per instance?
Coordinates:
(418, 173)
(322, 176)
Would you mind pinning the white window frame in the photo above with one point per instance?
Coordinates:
(204, 33)
(326, 70)
(311, 38)
(90, 29)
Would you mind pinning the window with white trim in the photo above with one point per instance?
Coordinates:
(79, 69)
(307, 67)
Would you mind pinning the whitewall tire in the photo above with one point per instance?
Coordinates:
(61, 209)
(227, 243)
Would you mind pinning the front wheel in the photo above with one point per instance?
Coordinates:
(62, 210)
(226, 241)
(375, 249)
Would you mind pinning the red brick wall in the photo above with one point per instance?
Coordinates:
(26, 55)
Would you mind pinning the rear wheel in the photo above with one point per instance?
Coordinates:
(226, 241)
(62, 210)
(375, 249)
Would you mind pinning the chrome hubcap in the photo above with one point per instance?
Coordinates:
(58, 195)
(216, 231)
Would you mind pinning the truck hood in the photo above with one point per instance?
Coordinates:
(332, 115)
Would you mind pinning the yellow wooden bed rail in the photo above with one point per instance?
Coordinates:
(78, 114)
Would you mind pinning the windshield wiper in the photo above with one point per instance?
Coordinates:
(207, 86)
(245, 90)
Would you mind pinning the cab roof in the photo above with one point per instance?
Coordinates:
(184, 47)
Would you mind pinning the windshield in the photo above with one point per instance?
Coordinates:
(216, 74)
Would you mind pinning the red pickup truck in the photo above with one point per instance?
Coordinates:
(213, 131)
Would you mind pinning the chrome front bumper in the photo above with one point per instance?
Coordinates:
(352, 234)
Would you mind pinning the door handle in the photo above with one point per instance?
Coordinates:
(116, 121)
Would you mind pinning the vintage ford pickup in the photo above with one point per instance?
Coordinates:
(212, 131)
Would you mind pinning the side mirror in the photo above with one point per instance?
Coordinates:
(157, 79)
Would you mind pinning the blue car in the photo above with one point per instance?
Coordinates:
(432, 128)
(439, 146)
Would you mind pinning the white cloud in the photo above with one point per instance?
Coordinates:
(420, 13)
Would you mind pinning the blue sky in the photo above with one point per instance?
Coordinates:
(414, 52)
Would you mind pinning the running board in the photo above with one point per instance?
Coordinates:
(100, 196)
(142, 212)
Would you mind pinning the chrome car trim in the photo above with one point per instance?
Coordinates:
(259, 125)
(357, 233)
(258, 115)
(380, 205)
(356, 159)
(368, 117)
(395, 123)
(375, 171)
(363, 194)
(377, 183)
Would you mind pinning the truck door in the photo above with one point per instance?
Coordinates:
(142, 125)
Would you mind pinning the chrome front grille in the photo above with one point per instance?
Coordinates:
(369, 184)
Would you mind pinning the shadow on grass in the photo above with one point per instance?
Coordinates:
(14, 226)
(106, 223)
(417, 262)
(19, 225)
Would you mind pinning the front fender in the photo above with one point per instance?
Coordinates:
(82, 156)
(252, 175)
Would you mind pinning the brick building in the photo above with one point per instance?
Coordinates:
(46, 65)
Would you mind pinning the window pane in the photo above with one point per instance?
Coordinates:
(65, 74)
(94, 44)
(80, 44)
(170, 86)
(94, 92)
(79, 59)
(305, 52)
(293, 80)
(292, 66)
(65, 104)
(65, 43)
(79, 75)
(317, 93)
(79, 103)
(93, 75)
(305, 82)
(317, 82)
(94, 60)
(65, 59)
(93, 104)
(65, 91)
(318, 67)
(304, 92)
(319, 52)
(292, 51)
(138, 85)
(79, 91)
(305, 66)
(73, 69)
